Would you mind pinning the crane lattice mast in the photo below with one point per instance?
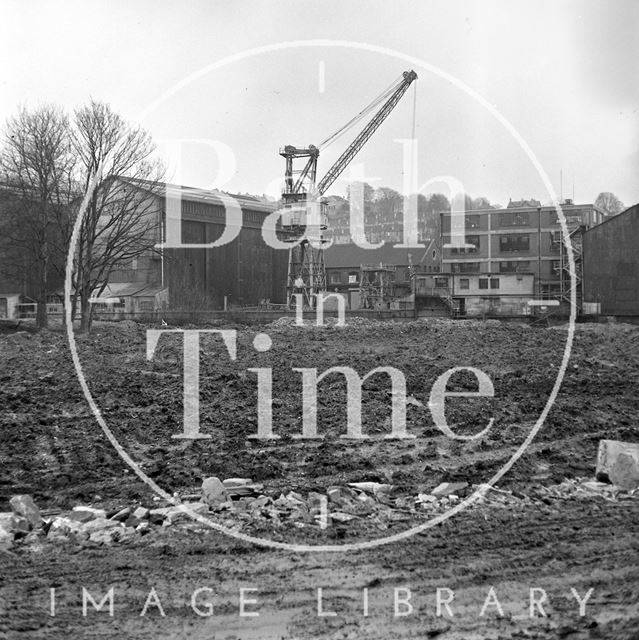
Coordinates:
(301, 198)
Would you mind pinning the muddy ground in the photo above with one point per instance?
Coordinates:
(53, 448)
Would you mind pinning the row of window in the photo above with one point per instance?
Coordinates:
(352, 277)
(506, 266)
(509, 219)
(507, 243)
(464, 283)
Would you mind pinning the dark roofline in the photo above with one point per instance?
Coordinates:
(543, 207)
(195, 194)
(611, 218)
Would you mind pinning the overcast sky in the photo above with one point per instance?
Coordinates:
(564, 73)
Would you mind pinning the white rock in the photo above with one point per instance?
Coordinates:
(236, 482)
(213, 491)
(23, 505)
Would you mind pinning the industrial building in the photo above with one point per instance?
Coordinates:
(520, 241)
(473, 294)
(241, 272)
(378, 278)
(611, 265)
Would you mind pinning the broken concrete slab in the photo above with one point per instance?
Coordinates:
(236, 482)
(371, 487)
(99, 524)
(608, 454)
(214, 492)
(448, 488)
(625, 472)
(122, 515)
(23, 505)
(97, 513)
(141, 513)
(85, 514)
(179, 514)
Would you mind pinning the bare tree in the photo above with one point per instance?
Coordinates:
(37, 164)
(122, 218)
(609, 203)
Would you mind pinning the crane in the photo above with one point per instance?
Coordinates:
(302, 200)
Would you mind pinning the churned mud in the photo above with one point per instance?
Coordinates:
(494, 558)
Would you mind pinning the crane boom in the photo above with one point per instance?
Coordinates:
(355, 146)
(306, 271)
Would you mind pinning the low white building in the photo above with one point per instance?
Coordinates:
(474, 294)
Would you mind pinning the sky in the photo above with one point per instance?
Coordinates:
(222, 85)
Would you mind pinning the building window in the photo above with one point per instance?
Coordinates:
(514, 266)
(352, 278)
(520, 242)
(556, 266)
(555, 241)
(146, 305)
(494, 283)
(474, 240)
(514, 219)
(336, 277)
(472, 221)
(464, 283)
(483, 283)
(465, 267)
(441, 283)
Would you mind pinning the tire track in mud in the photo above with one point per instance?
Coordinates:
(513, 553)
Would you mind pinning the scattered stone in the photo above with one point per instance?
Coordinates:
(20, 526)
(23, 505)
(86, 514)
(99, 524)
(179, 513)
(214, 492)
(122, 515)
(236, 482)
(141, 513)
(244, 490)
(608, 454)
(6, 540)
(128, 533)
(339, 516)
(625, 472)
(371, 487)
(62, 527)
(448, 488)
(97, 513)
(7, 522)
(103, 536)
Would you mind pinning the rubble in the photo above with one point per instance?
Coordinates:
(449, 488)
(213, 491)
(24, 506)
(625, 472)
(379, 504)
(618, 462)
(6, 540)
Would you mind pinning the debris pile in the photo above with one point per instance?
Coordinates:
(240, 502)
(586, 489)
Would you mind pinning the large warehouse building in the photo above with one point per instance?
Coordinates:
(241, 272)
(611, 265)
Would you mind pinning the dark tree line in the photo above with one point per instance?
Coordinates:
(48, 159)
